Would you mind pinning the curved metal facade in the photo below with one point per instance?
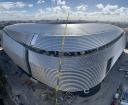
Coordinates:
(89, 52)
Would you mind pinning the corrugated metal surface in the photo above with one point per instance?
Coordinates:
(78, 73)
(78, 36)
(58, 29)
(16, 51)
(75, 43)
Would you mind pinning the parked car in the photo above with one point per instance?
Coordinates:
(124, 95)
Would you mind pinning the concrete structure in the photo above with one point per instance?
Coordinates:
(90, 51)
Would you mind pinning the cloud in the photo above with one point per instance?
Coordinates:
(109, 13)
(103, 12)
(66, 8)
(14, 15)
(122, 11)
(100, 6)
(59, 2)
(108, 9)
(60, 7)
(40, 14)
(30, 5)
(13, 5)
(82, 8)
(40, 1)
(53, 9)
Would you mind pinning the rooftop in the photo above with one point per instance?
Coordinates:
(79, 37)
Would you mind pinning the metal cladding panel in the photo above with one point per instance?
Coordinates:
(15, 51)
(20, 37)
(43, 67)
(58, 29)
(75, 43)
(99, 42)
(79, 72)
(79, 37)
(118, 48)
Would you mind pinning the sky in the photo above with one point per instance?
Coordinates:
(101, 10)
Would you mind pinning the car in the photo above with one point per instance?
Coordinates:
(116, 98)
(124, 95)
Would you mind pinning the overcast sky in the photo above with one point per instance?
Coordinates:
(112, 10)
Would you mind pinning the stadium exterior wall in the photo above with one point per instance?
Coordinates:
(80, 72)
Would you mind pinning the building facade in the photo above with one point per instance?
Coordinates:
(90, 51)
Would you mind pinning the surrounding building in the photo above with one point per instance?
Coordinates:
(90, 51)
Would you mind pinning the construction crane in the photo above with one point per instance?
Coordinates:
(61, 60)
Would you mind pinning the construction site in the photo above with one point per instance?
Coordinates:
(63, 52)
(23, 90)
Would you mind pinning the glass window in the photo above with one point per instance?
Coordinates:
(52, 53)
(66, 54)
(82, 52)
(109, 64)
(56, 54)
(78, 53)
(72, 53)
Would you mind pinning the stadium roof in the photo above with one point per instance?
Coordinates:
(78, 37)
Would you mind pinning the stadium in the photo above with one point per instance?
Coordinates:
(82, 53)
